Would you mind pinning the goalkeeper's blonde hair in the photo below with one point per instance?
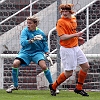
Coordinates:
(34, 19)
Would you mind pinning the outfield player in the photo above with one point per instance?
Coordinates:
(70, 52)
(34, 46)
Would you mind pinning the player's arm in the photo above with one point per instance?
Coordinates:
(66, 36)
(61, 30)
(24, 38)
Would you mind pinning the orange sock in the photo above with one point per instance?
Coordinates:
(81, 78)
(61, 78)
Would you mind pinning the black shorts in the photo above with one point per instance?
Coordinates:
(21, 60)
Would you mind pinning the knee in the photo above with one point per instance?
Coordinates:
(68, 73)
(42, 64)
(86, 68)
(71, 73)
(16, 64)
(44, 67)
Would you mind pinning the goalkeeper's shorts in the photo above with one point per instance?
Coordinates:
(27, 58)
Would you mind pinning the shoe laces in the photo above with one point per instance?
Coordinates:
(82, 92)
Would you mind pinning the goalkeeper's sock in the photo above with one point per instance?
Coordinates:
(15, 72)
(81, 78)
(48, 76)
(61, 78)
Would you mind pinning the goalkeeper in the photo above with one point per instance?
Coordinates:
(34, 46)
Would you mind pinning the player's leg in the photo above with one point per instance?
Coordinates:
(61, 78)
(39, 59)
(47, 72)
(20, 60)
(15, 72)
(82, 61)
(81, 78)
(68, 65)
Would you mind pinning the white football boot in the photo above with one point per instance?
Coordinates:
(11, 88)
(57, 91)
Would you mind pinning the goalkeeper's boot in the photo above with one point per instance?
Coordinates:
(11, 88)
(81, 92)
(52, 91)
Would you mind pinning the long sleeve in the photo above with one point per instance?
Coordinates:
(24, 38)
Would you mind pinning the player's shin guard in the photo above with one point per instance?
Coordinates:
(15, 72)
(48, 76)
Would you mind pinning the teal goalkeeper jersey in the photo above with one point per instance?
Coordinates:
(36, 46)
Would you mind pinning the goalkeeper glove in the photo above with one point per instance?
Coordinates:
(49, 59)
(37, 37)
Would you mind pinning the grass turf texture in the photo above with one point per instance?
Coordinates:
(45, 95)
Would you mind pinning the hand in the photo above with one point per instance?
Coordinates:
(38, 37)
(81, 40)
(49, 58)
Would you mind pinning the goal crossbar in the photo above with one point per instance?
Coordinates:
(51, 55)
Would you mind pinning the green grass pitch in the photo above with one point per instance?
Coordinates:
(45, 95)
